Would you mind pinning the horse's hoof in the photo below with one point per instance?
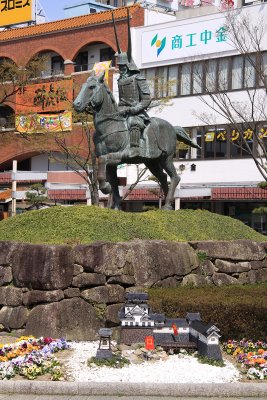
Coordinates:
(105, 188)
(167, 207)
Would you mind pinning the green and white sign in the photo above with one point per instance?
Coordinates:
(181, 41)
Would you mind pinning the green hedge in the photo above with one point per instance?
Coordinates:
(238, 311)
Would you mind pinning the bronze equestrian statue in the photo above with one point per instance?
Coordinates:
(124, 133)
(134, 94)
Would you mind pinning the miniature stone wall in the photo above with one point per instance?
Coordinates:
(73, 291)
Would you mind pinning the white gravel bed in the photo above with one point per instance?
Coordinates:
(177, 368)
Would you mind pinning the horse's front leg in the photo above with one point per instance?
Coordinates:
(103, 161)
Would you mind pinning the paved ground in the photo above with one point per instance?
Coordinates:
(67, 397)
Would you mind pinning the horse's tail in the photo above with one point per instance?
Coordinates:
(183, 136)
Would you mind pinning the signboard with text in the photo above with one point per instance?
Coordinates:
(46, 96)
(190, 40)
(14, 12)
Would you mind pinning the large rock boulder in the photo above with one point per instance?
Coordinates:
(194, 280)
(42, 267)
(40, 296)
(157, 260)
(220, 279)
(13, 317)
(230, 268)
(88, 279)
(5, 275)
(257, 276)
(73, 319)
(10, 296)
(6, 249)
(242, 250)
(141, 261)
(104, 294)
(90, 255)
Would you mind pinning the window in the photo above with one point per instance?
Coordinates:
(173, 81)
(263, 69)
(223, 74)
(220, 74)
(81, 62)
(250, 71)
(185, 79)
(150, 76)
(162, 82)
(237, 72)
(215, 145)
(107, 54)
(197, 77)
(57, 65)
(211, 68)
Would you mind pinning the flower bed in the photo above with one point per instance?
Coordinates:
(31, 357)
(251, 356)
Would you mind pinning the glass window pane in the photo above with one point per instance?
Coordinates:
(173, 81)
(185, 79)
(237, 72)
(163, 81)
(263, 69)
(221, 143)
(250, 71)
(223, 70)
(211, 75)
(199, 135)
(150, 76)
(197, 77)
(209, 143)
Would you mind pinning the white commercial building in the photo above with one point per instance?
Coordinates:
(183, 58)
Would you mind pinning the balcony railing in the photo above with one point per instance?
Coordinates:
(81, 67)
(52, 72)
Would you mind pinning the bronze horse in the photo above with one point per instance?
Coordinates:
(112, 142)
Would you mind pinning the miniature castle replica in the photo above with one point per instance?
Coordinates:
(138, 322)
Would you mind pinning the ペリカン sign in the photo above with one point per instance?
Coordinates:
(14, 12)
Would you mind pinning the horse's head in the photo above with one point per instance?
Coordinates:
(91, 94)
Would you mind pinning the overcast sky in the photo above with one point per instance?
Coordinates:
(54, 8)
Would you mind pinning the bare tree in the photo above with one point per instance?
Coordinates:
(245, 113)
(81, 156)
(13, 79)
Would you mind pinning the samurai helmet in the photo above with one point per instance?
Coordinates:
(125, 58)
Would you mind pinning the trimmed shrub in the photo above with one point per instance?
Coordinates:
(238, 311)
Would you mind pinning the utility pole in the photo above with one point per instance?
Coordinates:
(14, 188)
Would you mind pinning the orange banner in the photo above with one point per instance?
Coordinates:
(45, 97)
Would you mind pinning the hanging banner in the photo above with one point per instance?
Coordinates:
(102, 66)
(46, 96)
(13, 12)
(41, 123)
